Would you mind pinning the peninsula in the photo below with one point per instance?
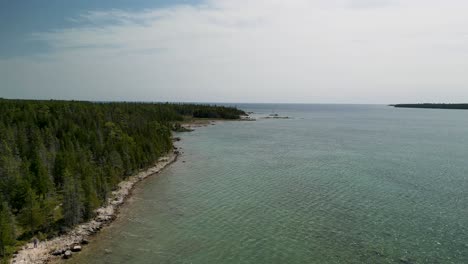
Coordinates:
(433, 106)
(64, 163)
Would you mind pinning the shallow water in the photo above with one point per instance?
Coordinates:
(335, 184)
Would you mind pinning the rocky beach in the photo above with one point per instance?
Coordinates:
(65, 246)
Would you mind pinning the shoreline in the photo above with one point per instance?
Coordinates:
(60, 246)
(54, 250)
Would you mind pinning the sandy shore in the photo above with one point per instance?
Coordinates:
(47, 251)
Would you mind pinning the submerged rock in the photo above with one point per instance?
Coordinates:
(57, 252)
(405, 260)
(67, 254)
(76, 248)
(276, 117)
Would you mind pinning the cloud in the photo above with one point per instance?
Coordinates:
(370, 3)
(357, 51)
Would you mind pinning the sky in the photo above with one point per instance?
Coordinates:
(271, 51)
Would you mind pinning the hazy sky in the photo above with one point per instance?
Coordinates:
(304, 51)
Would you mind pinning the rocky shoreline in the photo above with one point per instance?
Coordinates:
(64, 246)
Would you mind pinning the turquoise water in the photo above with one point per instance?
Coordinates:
(335, 184)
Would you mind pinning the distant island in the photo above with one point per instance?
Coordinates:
(433, 106)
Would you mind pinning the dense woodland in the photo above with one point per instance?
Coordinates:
(59, 160)
(436, 106)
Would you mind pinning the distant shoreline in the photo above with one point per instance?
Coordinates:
(433, 106)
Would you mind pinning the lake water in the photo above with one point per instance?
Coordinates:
(334, 184)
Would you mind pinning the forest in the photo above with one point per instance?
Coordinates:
(59, 160)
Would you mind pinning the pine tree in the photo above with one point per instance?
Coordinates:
(72, 200)
(31, 216)
(7, 228)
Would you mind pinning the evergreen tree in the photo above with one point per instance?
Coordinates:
(7, 228)
(31, 216)
(72, 200)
